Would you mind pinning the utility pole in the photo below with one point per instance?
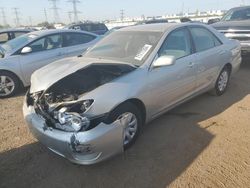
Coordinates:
(4, 17)
(55, 10)
(70, 18)
(75, 11)
(17, 19)
(122, 14)
(182, 9)
(45, 14)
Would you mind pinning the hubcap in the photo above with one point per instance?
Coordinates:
(130, 124)
(223, 80)
(6, 85)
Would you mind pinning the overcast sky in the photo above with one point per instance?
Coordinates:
(109, 9)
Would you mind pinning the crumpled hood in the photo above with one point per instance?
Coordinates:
(237, 25)
(45, 77)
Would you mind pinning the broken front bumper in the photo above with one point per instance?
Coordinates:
(87, 147)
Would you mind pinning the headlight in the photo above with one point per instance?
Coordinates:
(72, 116)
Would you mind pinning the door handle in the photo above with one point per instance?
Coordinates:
(191, 64)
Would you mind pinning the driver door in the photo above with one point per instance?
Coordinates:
(44, 51)
(171, 84)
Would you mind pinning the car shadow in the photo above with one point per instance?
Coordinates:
(164, 150)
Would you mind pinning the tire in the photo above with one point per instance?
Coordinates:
(222, 82)
(126, 110)
(9, 84)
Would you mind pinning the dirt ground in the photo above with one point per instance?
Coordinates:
(203, 143)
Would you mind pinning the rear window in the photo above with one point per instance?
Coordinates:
(72, 39)
(93, 27)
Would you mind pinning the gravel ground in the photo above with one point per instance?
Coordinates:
(203, 143)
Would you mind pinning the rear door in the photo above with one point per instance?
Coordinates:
(210, 54)
(75, 44)
(44, 51)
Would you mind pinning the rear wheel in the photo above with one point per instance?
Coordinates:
(9, 84)
(222, 82)
(131, 120)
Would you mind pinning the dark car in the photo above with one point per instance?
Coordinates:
(156, 21)
(9, 34)
(235, 24)
(97, 28)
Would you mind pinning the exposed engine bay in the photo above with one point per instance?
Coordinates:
(60, 104)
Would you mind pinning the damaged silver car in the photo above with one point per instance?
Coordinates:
(92, 107)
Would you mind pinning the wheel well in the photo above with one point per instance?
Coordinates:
(229, 66)
(20, 81)
(140, 105)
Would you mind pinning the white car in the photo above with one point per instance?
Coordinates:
(23, 55)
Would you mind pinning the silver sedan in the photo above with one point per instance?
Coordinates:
(90, 108)
(20, 57)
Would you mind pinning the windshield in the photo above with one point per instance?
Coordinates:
(232, 15)
(126, 46)
(17, 42)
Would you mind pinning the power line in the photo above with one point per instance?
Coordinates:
(3, 16)
(75, 11)
(17, 19)
(55, 10)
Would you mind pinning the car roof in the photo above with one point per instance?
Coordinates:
(55, 31)
(15, 30)
(240, 8)
(158, 27)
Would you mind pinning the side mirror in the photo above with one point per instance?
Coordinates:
(26, 50)
(164, 61)
(211, 21)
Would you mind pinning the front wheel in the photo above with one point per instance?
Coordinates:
(131, 119)
(9, 84)
(222, 82)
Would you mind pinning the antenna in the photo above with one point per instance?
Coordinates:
(45, 14)
(55, 9)
(4, 16)
(75, 11)
(122, 14)
(17, 19)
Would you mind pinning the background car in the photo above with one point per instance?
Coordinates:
(153, 21)
(9, 34)
(97, 28)
(235, 24)
(93, 107)
(27, 53)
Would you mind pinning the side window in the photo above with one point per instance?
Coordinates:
(19, 33)
(87, 27)
(47, 43)
(72, 39)
(177, 44)
(203, 39)
(4, 37)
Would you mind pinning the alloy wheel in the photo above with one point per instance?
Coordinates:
(130, 124)
(223, 80)
(7, 85)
